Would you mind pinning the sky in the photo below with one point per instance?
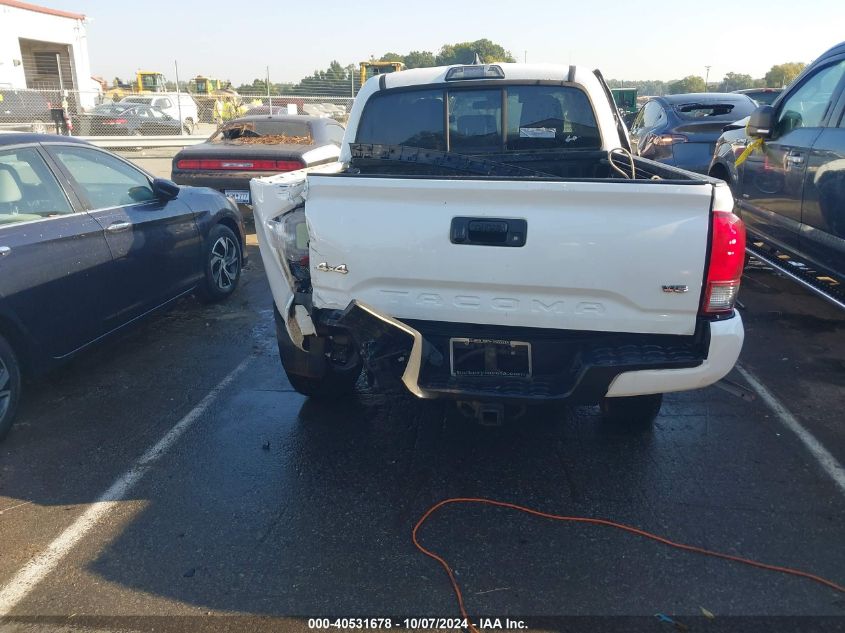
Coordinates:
(624, 39)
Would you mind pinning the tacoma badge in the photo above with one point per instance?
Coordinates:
(675, 288)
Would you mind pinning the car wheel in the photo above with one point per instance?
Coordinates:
(189, 126)
(335, 382)
(10, 386)
(222, 264)
(39, 127)
(632, 410)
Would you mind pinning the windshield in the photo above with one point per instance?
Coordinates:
(264, 133)
(715, 111)
(535, 118)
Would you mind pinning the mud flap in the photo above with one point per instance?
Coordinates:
(310, 362)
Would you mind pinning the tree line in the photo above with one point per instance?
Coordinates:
(779, 76)
(341, 80)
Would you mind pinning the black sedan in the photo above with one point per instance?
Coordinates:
(682, 130)
(90, 243)
(125, 119)
(256, 146)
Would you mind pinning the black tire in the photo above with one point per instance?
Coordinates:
(632, 410)
(223, 261)
(332, 386)
(10, 386)
(332, 382)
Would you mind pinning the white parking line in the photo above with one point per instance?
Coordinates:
(40, 567)
(827, 461)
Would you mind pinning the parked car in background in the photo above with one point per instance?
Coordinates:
(180, 106)
(90, 243)
(24, 111)
(682, 130)
(790, 188)
(125, 119)
(761, 96)
(254, 146)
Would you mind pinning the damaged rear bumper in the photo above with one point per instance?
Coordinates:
(578, 366)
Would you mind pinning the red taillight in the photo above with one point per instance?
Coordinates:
(239, 165)
(662, 140)
(114, 121)
(727, 259)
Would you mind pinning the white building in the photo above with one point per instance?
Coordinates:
(45, 49)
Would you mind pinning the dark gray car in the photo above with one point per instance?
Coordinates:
(682, 130)
(257, 146)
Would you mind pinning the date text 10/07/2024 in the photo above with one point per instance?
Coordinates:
(433, 624)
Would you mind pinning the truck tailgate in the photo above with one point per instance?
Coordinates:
(596, 254)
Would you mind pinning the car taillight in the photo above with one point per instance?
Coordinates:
(661, 140)
(727, 259)
(240, 165)
(114, 121)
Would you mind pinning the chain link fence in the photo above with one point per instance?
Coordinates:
(119, 112)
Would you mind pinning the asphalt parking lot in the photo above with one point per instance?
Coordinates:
(273, 508)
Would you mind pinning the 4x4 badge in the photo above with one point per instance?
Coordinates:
(324, 267)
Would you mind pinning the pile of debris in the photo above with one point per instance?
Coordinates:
(272, 139)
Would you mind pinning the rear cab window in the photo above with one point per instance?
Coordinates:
(509, 118)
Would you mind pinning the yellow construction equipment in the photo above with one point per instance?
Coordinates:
(208, 91)
(370, 69)
(149, 81)
(145, 81)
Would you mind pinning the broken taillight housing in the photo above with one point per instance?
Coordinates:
(727, 259)
(289, 235)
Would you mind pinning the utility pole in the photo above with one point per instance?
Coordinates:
(524, 57)
(269, 98)
(706, 78)
(178, 98)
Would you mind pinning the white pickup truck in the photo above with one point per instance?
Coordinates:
(487, 237)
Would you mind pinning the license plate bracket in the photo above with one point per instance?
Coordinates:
(478, 357)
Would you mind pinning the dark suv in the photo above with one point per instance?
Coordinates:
(24, 111)
(790, 186)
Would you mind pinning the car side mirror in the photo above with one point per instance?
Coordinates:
(761, 122)
(165, 189)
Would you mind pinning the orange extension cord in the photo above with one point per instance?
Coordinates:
(592, 521)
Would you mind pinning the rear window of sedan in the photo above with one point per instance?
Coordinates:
(264, 132)
(111, 109)
(715, 111)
